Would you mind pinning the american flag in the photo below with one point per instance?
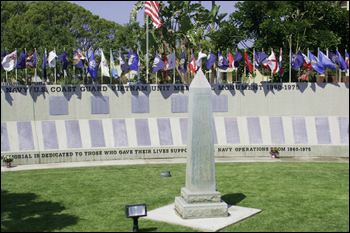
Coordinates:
(152, 10)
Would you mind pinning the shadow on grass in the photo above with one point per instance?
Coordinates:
(233, 199)
(20, 212)
(148, 229)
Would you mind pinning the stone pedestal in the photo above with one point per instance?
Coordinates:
(199, 199)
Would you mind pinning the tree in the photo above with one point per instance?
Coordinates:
(304, 24)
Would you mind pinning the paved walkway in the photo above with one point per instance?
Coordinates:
(168, 161)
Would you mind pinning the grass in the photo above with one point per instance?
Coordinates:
(298, 197)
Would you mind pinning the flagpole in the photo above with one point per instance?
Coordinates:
(73, 71)
(254, 63)
(271, 69)
(237, 67)
(281, 67)
(101, 67)
(326, 67)
(25, 52)
(175, 65)
(339, 70)
(244, 66)
(120, 77)
(64, 73)
(16, 64)
(110, 65)
(146, 48)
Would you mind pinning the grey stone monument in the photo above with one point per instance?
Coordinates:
(199, 199)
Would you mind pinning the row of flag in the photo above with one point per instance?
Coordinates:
(319, 63)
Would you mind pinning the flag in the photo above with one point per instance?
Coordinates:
(158, 64)
(200, 57)
(238, 57)
(247, 62)
(327, 63)
(303, 77)
(296, 60)
(44, 66)
(64, 59)
(104, 65)
(133, 61)
(211, 60)
(222, 62)
(334, 58)
(9, 62)
(259, 57)
(123, 64)
(171, 61)
(77, 60)
(307, 63)
(31, 60)
(183, 63)
(3, 54)
(21, 63)
(113, 67)
(230, 59)
(51, 59)
(281, 65)
(342, 63)
(265, 62)
(152, 10)
(92, 69)
(272, 63)
(347, 59)
(193, 65)
(316, 64)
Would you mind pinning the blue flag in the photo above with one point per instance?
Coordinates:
(297, 60)
(222, 62)
(183, 63)
(211, 60)
(77, 61)
(133, 61)
(21, 63)
(92, 69)
(238, 57)
(259, 57)
(31, 60)
(334, 58)
(44, 66)
(158, 64)
(114, 67)
(64, 59)
(327, 63)
(316, 64)
(342, 63)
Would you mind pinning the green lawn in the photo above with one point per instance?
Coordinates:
(293, 196)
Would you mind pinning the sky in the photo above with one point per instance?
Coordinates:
(119, 11)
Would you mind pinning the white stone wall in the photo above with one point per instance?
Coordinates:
(305, 120)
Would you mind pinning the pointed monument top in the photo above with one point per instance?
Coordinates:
(200, 81)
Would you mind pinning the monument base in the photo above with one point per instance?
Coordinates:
(200, 197)
(200, 210)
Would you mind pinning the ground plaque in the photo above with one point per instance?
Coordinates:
(199, 199)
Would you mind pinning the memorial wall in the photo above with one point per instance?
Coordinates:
(53, 123)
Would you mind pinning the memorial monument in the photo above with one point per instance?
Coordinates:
(199, 199)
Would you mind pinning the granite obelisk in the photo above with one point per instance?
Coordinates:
(199, 199)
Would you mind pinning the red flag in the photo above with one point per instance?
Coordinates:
(307, 63)
(166, 63)
(193, 65)
(264, 63)
(247, 62)
(152, 10)
(230, 59)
